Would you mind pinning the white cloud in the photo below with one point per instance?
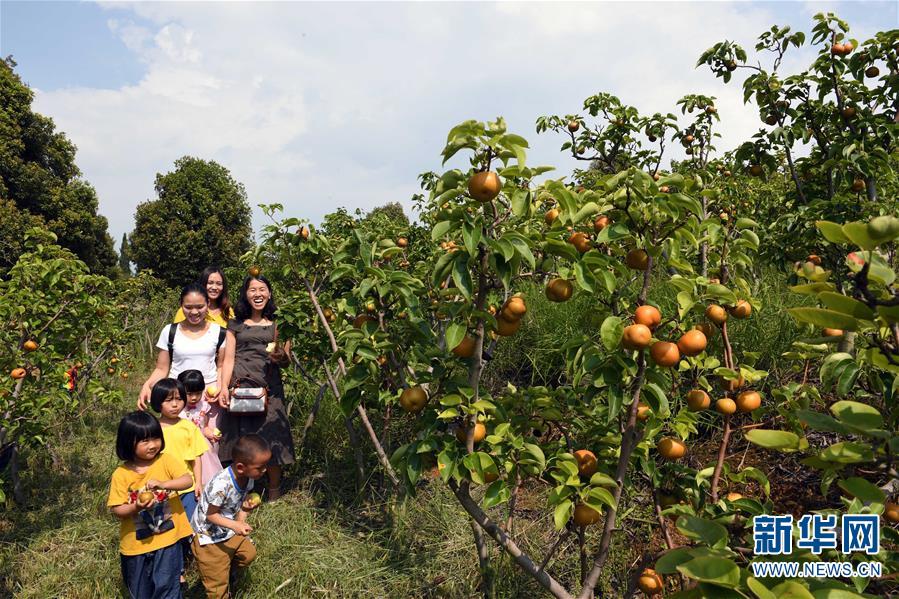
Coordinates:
(321, 105)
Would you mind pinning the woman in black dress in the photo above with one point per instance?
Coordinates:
(251, 353)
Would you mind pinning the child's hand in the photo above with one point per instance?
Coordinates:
(198, 492)
(155, 484)
(242, 528)
(210, 435)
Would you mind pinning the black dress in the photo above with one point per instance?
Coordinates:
(252, 361)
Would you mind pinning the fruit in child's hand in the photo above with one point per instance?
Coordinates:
(145, 496)
(212, 390)
(253, 499)
(216, 433)
(270, 347)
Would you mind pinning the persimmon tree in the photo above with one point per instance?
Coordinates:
(66, 345)
(841, 111)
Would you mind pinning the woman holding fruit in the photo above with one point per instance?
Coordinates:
(197, 344)
(219, 310)
(254, 357)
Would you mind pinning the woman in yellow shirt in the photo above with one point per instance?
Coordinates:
(220, 310)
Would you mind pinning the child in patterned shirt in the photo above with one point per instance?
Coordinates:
(220, 521)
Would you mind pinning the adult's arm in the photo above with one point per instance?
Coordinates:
(281, 355)
(160, 372)
(227, 368)
(219, 372)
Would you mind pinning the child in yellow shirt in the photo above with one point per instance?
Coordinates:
(183, 440)
(152, 519)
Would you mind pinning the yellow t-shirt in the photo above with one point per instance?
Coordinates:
(124, 480)
(186, 442)
(216, 318)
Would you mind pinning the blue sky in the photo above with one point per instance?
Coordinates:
(317, 105)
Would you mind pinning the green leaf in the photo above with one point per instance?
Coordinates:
(824, 318)
(700, 529)
(685, 301)
(598, 497)
(716, 570)
(863, 490)
(533, 455)
(760, 590)
(857, 414)
(832, 231)
(461, 276)
(722, 293)
(519, 202)
(454, 334)
(601, 479)
(471, 236)
(858, 234)
(588, 209)
(610, 332)
(440, 229)
(836, 594)
(846, 305)
(657, 400)
(441, 269)
(791, 590)
(584, 277)
(478, 464)
(812, 288)
(562, 249)
(498, 492)
(562, 513)
(521, 246)
(847, 453)
(668, 563)
(773, 439)
(822, 422)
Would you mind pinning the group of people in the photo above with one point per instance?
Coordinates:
(184, 488)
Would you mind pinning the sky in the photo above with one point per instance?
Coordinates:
(321, 105)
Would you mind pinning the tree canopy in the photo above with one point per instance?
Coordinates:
(40, 185)
(201, 217)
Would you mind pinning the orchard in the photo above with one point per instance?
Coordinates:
(614, 374)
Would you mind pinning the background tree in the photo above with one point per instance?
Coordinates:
(40, 184)
(201, 217)
(390, 213)
(125, 256)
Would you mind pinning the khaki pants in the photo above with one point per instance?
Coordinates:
(215, 561)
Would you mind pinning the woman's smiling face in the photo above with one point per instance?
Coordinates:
(258, 294)
(194, 306)
(214, 286)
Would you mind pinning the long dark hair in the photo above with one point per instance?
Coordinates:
(243, 310)
(135, 427)
(223, 302)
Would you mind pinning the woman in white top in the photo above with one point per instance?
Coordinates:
(197, 345)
